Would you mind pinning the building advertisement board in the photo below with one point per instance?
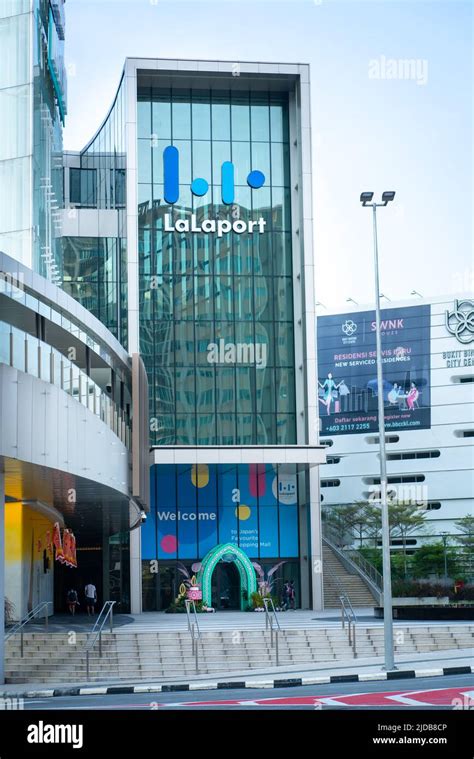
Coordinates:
(347, 371)
(194, 508)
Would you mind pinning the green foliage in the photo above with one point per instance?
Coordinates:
(429, 559)
(414, 589)
(362, 521)
(399, 563)
(257, 600)
(179, 607)
(373, 556)
(466, 540)
(418, 589)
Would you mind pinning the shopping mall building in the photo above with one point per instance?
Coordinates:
(187, 229)
(74, 467)
(428, 365)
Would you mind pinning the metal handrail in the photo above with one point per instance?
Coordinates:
(352, 555)
(193, 628)
(357, 564)
(31, 615)
(271, 619)
(96, 632)
(351, 621)
(347, 611)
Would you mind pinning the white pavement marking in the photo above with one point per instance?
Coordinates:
(373, 676)
(260, 684)
(332, 701)
(92, 691)
(429, 673)
(147, 689)
(203, 686)
(315, 680)
(409, 701)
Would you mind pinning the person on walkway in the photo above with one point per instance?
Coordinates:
(292, 595)
(91, 598)
(72, 601)
(286, 595)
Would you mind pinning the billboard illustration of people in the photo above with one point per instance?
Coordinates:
(347, 370)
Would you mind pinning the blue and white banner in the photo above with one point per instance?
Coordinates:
(347, 371)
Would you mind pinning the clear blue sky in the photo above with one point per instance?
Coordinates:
(368, 133)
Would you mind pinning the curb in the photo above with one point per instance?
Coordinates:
(292, 682)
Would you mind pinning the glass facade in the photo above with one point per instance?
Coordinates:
(216, 312)
(15, 131)
(106, 155)
(95, 268)
(95, 274)
(32, 110)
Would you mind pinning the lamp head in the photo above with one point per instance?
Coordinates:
(366, 197)
(387, 196)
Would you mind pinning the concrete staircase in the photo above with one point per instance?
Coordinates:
(128, 655)
(356, 589)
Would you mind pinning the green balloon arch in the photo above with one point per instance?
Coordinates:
(248, 578)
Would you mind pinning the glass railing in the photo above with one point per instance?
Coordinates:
(8, 288)
(33, 356)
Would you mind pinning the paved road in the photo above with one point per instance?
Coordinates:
(420, 693)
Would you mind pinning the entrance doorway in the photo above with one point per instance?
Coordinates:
(226, 586)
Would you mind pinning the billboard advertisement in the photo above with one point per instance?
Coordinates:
(347, 370)
(194, 508)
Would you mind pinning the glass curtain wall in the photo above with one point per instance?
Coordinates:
(197, 289)
(91, 276)
(32, 107)
(49, 108)
(95, 268)
(16, 82)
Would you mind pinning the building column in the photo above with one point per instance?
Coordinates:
(316, 541)
(2, 578)
(130, 95)
(135, 571)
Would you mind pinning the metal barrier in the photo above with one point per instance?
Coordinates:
(18, 627)
(193, 628)
(347, 612)
(96, 632)
(271, 620)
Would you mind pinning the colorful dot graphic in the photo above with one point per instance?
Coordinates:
(256, 179)
(242, 512)
(169, 544)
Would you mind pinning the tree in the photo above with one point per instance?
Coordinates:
(405, 518)
(466, 539)
(356, 520)
(364, 519)
(429, 559)
(340, 520)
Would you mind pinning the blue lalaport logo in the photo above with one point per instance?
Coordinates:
(200, 186)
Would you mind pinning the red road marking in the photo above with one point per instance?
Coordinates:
(435, 697)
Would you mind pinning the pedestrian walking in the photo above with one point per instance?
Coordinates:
(91, 598)
(292, 595)
(72, 601)
(286, 595)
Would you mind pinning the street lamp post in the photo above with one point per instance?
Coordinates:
(444, 538)
(366, 200)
